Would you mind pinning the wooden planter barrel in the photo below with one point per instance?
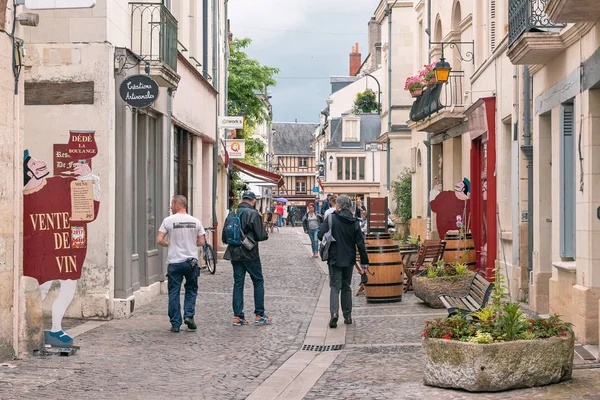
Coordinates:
(460, 249)
(376, 238)
(386, 285)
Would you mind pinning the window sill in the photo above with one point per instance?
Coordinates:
(566, 266)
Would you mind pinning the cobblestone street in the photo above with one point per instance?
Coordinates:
(139, 358)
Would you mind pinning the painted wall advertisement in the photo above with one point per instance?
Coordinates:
(56, 211)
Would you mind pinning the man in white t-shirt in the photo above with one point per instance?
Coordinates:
(333, 207)
(185, 233)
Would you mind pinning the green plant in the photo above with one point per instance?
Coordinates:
(460, 268)
(366, 103)
(402, 195)
(451, 328)
(511, 322)
(482, 338)
(413, 240)
(527, 335)
(497, 295)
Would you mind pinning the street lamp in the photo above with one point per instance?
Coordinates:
(378, 92)
(442, 70)
(330, 162)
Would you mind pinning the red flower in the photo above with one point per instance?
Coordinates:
(447, 337)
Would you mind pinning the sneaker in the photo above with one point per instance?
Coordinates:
(333, 321)
(174, 328)
(348, 320)
(262, 320)
(189, 321)
(238, 321)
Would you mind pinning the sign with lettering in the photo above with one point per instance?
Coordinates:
(57, 4)
(231, 122)
(374, 146)
(63, 162)
(139, 91)
(236, 148)
(82, 145)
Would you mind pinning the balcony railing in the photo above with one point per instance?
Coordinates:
(439, 97)
(154, 33)
(527, 15)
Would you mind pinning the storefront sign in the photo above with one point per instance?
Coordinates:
(63, 162)
(231, 122)
(82, 145)
(54, 4)
(139, 91)
(236, 148)
(316, 189)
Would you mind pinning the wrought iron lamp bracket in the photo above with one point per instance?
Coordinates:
(469, 56)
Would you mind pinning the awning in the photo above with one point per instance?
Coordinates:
(259, 173)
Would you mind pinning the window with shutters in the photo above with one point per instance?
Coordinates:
(303, 162)
(567, 181)
(492, 25)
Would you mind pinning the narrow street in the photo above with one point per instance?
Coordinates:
(380, 358)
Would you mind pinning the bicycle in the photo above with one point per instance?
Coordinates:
(208, 254)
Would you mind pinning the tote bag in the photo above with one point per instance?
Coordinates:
(327, 240)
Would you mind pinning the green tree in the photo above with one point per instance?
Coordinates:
(247, 80)
(402, 195)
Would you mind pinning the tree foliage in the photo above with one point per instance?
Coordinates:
(366, 103)
(403, 196)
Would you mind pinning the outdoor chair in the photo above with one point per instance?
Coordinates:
(429, 252)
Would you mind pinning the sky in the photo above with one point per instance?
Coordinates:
(308, 40)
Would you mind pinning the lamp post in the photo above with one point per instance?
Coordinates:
(378, 92)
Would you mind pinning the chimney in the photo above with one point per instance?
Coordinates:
(374, 43)
(355, 60)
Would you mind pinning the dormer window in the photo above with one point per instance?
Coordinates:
(351, 129)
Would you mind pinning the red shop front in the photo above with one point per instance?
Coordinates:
(481, 118)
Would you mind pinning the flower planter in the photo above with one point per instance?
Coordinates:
(429, 289)
(431, 82)
(416, 92)
(497, 366)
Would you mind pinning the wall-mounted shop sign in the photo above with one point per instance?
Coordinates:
(139, 91)
(82, 145)
(231, 122)
(236, 148)
(374, 146)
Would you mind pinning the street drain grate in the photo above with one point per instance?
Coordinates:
(330, 347)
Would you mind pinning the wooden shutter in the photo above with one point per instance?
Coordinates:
(492, 25)
(567, 182)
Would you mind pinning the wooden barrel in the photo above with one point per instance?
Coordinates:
(386, 285)
(460, 249)
(376, 238)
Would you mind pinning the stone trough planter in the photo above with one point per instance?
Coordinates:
(429, 289)
(497, 366)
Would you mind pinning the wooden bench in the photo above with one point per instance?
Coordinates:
(477, 298)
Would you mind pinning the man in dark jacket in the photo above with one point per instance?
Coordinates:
(342, 257)
(326, 204)
(244, 260)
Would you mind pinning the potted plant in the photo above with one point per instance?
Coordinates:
(414, 84)
(450, 279)
(428, 76)
(366, 103)
(497, 348)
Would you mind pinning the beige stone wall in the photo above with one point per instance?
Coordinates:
(46, 125)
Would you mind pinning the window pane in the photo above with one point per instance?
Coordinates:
(361, 169)
(347, 168)
(151, 184)
(353, 169)
(340, 166)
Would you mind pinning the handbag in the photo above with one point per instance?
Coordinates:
(327, 240)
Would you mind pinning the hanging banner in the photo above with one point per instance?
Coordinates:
(82, 145)
(236, 148)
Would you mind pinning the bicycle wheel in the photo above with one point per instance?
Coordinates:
(209, 257)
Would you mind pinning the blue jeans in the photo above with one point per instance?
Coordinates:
(254, 269)
(314, 241)
(175, 274)
(279, 220)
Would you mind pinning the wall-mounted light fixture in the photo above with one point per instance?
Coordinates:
(330, 162)
(443, 68)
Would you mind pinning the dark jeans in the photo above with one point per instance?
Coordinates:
(254, 269)
(314, 240)
(340, 278)
(175, 274)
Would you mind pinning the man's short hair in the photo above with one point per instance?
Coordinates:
(344, 202)
(181, 200)
(333, 199)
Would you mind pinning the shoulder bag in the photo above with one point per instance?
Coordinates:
(327, 240)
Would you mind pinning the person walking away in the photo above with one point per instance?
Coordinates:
(345, 229)
(363, 221)
(359, 209)
(333, 206)
(279, 212)
(246, 260)
(311, 223)
(185, 234)
(285, 216)
(326, 204)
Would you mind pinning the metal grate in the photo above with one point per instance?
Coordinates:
(330, 347)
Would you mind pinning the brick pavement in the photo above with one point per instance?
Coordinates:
(139, 358)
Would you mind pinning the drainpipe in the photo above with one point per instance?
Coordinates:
(205, 38)
(527, 148)
(215, 61)
(169, 138)
(388, 13)
(17, 212)
(429, 169)
(515, 157)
